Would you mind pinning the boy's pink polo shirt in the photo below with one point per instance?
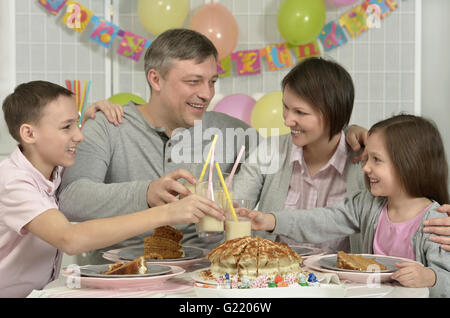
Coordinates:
(26, 261)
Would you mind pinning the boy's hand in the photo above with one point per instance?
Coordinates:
(414, 275)
(191, 209)
(260, 221)
(440, 226)
(112, 111)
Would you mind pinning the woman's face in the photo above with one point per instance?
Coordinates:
(306, 122)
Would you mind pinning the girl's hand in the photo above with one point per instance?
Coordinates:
(414, 275)
(112, 111)
(191, 209)
(260, 221)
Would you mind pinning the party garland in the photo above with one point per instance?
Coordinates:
(248, 62)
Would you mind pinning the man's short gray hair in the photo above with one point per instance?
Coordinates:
(181, 44)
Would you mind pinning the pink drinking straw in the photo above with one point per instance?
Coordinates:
(210, 184)
(236, 163)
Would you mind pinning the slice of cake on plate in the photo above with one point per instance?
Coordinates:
(357, 262)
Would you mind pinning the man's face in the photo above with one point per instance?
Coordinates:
(186, 91)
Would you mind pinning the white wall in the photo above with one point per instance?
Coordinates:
(436, 66)
(7, 67)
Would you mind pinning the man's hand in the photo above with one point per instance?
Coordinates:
(440, 226)
(112, 111)
(356, 138)
(167, 188)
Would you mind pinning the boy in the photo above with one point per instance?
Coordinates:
(43, 118)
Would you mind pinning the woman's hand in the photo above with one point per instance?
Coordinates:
(440, 226)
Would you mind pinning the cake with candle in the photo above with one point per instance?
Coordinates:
(252, 257)
(165, 243)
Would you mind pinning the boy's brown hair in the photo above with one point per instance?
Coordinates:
(26, 104)
(415, 147)
(325, 85)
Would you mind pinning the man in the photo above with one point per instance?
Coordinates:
(136, 165)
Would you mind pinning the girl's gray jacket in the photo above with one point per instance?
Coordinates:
(359, 213)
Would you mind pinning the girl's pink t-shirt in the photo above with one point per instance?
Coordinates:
(394, 239)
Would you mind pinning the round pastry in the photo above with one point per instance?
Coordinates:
(254, 256)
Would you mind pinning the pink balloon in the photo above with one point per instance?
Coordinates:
(342, 3)
(237, 105)
(218, 24)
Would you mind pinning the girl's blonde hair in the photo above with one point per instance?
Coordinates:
(417, 152)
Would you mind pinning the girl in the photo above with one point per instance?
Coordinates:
(406, 172)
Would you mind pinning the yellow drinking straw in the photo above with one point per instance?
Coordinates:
(225, 189)
(207, 159)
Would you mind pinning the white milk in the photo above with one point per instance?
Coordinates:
(235, 229)
(210, 224)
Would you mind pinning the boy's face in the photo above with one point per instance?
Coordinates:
(306, 123)
(57, 134)
(186, 91)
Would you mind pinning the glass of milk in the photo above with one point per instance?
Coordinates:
(240, 227)
(209, 228)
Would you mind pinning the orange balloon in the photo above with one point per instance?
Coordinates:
(218, 24)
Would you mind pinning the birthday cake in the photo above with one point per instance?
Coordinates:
(254, 256)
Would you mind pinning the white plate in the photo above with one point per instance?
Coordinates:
(131, 283)
(196, 276)
(361, 277)
(98, 270)
(133, 253)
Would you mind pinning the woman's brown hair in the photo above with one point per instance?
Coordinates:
(325, 85)
(417, 152)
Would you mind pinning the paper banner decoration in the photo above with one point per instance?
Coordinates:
(53, 6)
(278, 56)
(132, 45)
(247, 62)
(332, 36)
(104, 32)
(376, 10)
(355, 21)
(304, 51)
(77, 16)
(224, 67)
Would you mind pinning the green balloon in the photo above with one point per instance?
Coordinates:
(125, 98)
(300, 21)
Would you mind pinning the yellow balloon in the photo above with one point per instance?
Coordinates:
(268, 113)
(158, 16)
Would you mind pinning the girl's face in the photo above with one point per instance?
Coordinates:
(379, 168)
(306, 122)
